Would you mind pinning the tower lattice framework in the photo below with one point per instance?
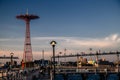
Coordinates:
(27, 55)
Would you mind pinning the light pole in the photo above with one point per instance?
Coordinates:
(77, 60)
(11, 54)
(59, 57)
(65, 55)
(43, 58)
(90, 53)
(53, 43)
(118, 61)
(97, 58)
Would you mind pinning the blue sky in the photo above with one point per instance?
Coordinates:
(74, 24)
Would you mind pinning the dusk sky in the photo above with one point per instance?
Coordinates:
(76, 25)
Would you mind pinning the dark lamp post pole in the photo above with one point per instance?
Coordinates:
(53, 43)
(11, 54)
(118, 61)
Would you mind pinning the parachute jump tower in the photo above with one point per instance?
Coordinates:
(27, 55)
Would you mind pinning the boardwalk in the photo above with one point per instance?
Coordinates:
(62, 72)
(16, 75)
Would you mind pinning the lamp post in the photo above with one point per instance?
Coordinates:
(65, 55)
(118, 61)
(43, 58)
(11, 54)
(90, 53)
(58, 60)
(77, 60)
(53, 43)
(59, 57)
(97, 57)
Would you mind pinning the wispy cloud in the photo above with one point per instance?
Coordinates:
(111, 40)
(114, 37)
(108, 41)
(71, 43)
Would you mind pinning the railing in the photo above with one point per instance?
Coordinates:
(87, 69)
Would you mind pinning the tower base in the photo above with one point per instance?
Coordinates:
(27, 65)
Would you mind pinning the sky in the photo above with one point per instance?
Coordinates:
(76, 25)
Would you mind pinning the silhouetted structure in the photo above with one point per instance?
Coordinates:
(27, 55)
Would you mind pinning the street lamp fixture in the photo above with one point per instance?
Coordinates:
(53, 43)
(11, 54)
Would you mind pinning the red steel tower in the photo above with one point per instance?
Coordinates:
(27, 55)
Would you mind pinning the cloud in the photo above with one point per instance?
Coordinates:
(91, 42)
(111, 40)
(71, 43)
(114, 37)
(10, 39)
